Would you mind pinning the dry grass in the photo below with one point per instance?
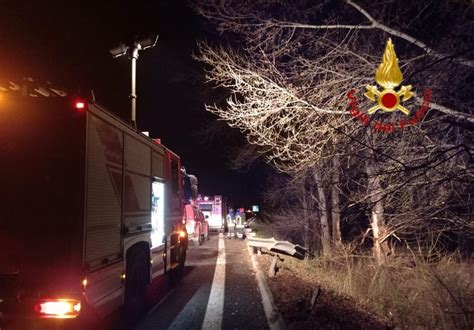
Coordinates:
(408, 291)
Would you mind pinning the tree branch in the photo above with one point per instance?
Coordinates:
(374, 24)
(448, 111)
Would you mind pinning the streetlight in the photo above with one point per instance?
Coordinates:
(132, 51)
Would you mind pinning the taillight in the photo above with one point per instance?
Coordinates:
(80, 105)
(59, 308)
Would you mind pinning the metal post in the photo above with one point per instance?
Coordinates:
(132, 50)
(133, 94)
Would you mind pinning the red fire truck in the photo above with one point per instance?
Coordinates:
(194, 220)
(91, 210)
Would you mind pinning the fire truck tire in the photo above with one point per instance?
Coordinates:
(182, 258)
(136, 282)
(177, 273)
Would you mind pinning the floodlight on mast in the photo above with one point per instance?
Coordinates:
(132, 50)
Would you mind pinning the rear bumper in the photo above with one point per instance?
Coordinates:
(26, 308)
(215, 228)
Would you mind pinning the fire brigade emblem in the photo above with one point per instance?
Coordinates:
(388, 76)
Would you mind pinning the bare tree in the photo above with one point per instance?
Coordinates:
(288, 88)
(335, 200)
(296, 211)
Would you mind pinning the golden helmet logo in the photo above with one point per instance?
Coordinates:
(388, 76)
(389, 99)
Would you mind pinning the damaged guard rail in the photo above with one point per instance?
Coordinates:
(277, 247)
(281, 247)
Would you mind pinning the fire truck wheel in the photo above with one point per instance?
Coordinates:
(136, 278)
(177, 273)
(182, 258)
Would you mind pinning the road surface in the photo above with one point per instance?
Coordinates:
(217, 291)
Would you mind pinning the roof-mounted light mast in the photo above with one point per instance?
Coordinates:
(132, 50)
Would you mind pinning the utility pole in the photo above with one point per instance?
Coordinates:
(132, 50)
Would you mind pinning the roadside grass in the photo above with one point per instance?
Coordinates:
(407, 291)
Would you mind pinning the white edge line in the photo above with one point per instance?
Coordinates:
(215, 306)
(274, 318)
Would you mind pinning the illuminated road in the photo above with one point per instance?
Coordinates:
(217, 291)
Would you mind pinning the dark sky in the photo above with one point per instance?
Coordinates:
(67, 43)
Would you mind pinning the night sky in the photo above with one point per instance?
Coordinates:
(67, 42)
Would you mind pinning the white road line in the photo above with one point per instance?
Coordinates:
(215, 306)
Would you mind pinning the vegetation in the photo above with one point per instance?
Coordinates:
(408, 291)
(297, 72)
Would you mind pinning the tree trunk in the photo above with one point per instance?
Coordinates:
(316, 226)
(307, 219)
(377, 220)
(335, 206)
(323, 211)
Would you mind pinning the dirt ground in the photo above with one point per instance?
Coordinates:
(294, 296)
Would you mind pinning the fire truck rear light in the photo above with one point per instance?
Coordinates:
(59, 308)
(80, 105)
(182, 234)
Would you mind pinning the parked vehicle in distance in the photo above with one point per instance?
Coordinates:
(205, 225)
(196, 224)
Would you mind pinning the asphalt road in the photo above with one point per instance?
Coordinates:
(217, 291)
